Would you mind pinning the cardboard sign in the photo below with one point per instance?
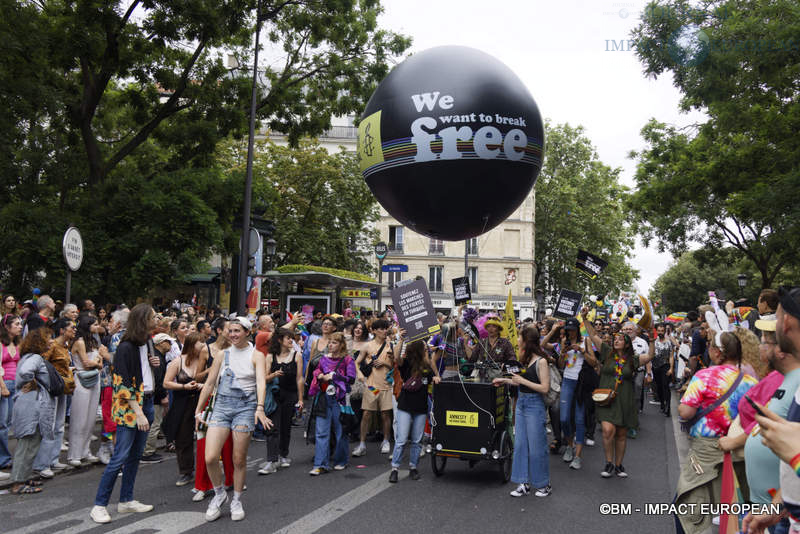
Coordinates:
(589, 264)
(568, 304)
(415, 312)
(461, 290)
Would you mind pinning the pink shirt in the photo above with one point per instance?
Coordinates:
(761, 393)
(10, 364)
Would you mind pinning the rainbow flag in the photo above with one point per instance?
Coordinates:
(375, 391)
(731, 493)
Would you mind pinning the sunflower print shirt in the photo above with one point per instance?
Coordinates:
(120, 409)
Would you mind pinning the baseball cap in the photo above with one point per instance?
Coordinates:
(789, 297)
(160, 338)
(244, 321)
(767, 322)
(572, 324)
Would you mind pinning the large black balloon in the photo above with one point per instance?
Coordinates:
(451, 142)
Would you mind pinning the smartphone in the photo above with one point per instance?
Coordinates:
(758, 410)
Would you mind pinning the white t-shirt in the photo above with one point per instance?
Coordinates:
(573, 362)
(147, 373)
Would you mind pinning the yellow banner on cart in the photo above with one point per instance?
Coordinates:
(462, 419)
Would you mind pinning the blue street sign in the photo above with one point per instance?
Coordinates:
(373, 293)
(395, 268)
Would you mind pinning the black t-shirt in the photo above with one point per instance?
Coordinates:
(532, 374)
(414, 402)
(288, 382)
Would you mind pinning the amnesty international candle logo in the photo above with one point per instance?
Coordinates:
(369, 141)
(462, 419)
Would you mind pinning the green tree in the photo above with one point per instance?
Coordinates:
(324, 213)
(731, 180)
(103, 101)
(685, 285)
(579, 205)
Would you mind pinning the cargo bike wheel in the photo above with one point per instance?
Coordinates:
(506, 460)
(438, 463)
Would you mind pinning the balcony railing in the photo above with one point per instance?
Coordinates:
(341, 132)
(395, 247)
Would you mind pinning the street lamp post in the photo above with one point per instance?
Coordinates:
(241, 296)
(539, 302)
(269, 249)
(742, 279)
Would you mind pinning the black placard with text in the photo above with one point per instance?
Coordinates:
(415, 312)
(461, 290)
(568, 304)
(589, 264)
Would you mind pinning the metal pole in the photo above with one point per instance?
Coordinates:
(69, 286)
(241, 297)
(466, 258)
(380, 285)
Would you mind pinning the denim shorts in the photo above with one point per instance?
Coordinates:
(234, 412)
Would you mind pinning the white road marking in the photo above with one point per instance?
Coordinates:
(51, 504)
(338, 507)
(166, 523)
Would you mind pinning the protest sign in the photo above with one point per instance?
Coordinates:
(415, 312)
(461, 290)
(589, 264)
(568, 304)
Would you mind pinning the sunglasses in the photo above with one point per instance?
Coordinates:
(789, 295)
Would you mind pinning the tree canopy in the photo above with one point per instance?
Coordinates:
(731, 180)
(112, 112)
(579, 205)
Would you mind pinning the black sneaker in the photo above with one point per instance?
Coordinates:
(621, 471)
(393, 476)
(608, 470)
(152, 459)
(413, 474)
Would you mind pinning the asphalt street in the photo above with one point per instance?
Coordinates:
(463, 500)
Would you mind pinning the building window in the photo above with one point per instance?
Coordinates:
(394, 277)
(436, 247)
(473, 279)
(396, 238)
(511, 243)
(472, 246)
(435, 278)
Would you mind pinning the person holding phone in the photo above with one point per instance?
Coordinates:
(531, 466)
(178, 424)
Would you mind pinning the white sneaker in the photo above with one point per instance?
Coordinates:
(4, 476)
(386, 447)
(46, 473)
(99, 514)
(133, 506)
(93, 437)
(213, 512)
(569, 454)
(545, 491)
(65, 447)
(198, 496)
(284, 462)
(58, 466)
(268, 468)
(361, 450)
(575, 463)
(92, 459)
(317, 471)
(237, 511)
(340, 467)
(521, 491)
(74, 463)
(590, 443)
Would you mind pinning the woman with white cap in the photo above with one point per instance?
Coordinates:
(239, 376)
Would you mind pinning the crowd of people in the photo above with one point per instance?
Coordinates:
(213, 386)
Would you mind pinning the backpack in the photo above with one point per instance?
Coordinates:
(56, 388)
(554, 392)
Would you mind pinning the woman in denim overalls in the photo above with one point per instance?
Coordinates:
(240, 379)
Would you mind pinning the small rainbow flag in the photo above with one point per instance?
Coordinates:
(375, 391)
(731, 493)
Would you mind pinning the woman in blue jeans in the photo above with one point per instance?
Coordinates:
(572, 349)
(531, 465)
(333, 377)
(10, 330)
(417, 371)
(132, 410)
